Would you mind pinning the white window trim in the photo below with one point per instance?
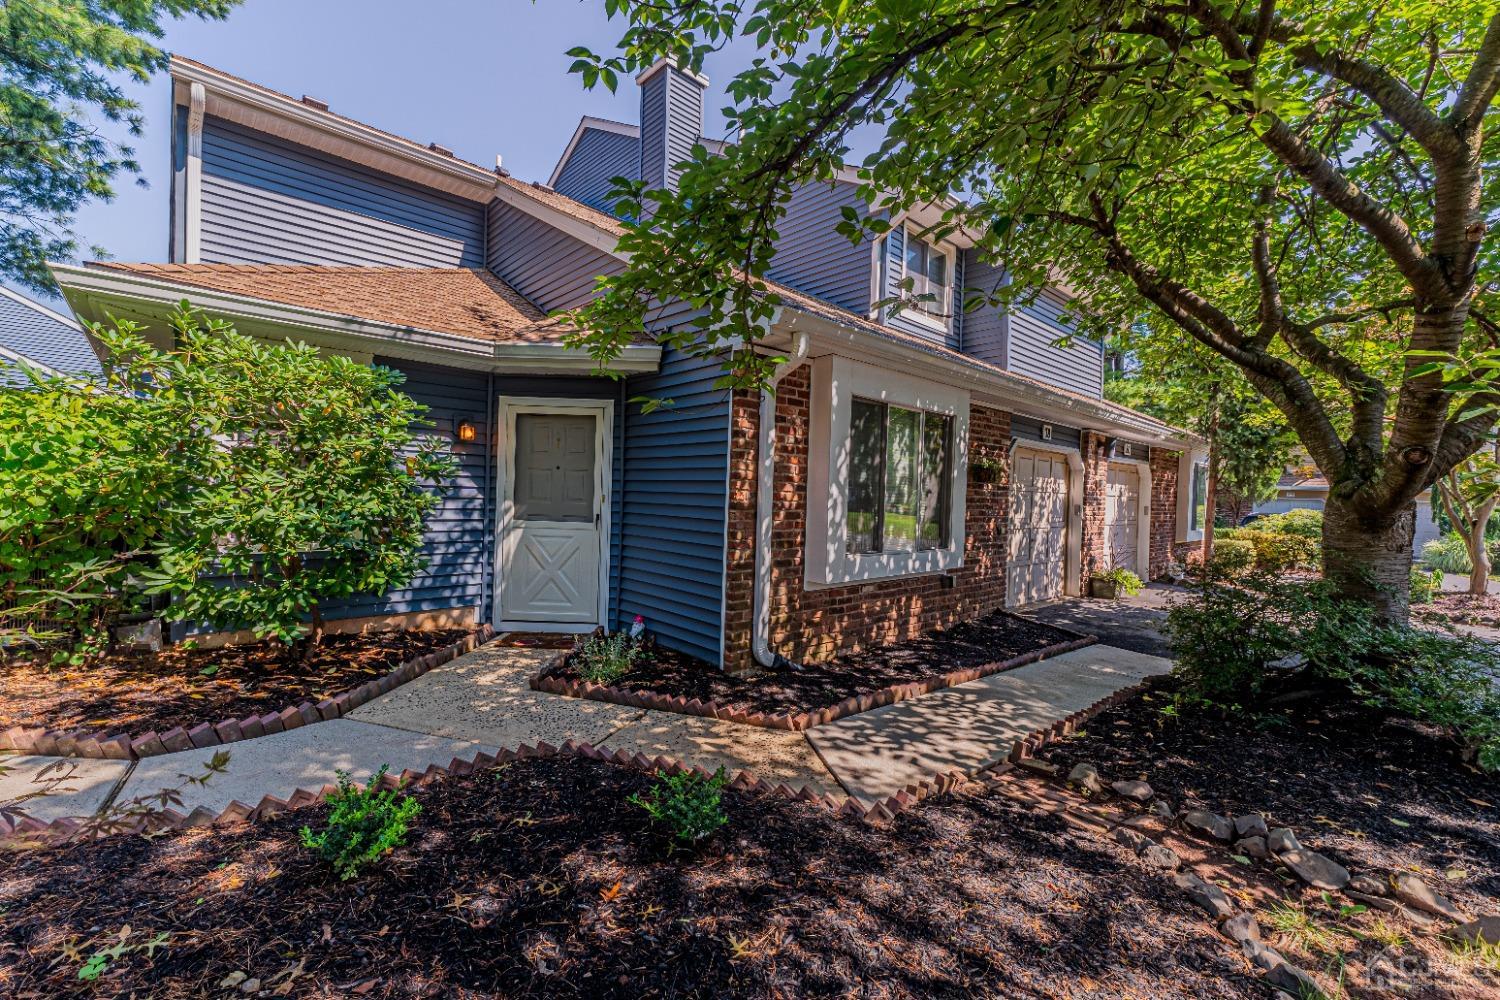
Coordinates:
(1186, 533)
(836, 381)
(914, 310)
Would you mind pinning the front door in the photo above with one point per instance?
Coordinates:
(1122, 516)
(552, 516)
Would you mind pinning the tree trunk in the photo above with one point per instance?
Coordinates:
(1479, 557)
(1370, 561)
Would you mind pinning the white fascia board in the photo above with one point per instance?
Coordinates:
(96, 293)
(991, 387)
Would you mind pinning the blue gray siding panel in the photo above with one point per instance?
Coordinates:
(550, 268)
(39, 337)
(1030, 429)
(1034, 327)
(671, 125)
(812, 257)
(654, 131)
(598, 158)
(985, 328)
(269, 201)
(676, 467)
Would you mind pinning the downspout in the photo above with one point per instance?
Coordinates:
(760, 637)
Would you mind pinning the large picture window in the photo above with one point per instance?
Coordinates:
(900, 470)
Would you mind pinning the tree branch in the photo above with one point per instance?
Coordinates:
(1482, 83)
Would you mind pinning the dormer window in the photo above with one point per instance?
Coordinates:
(929, 271)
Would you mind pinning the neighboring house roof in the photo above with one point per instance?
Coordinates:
(1302, 479)
(468, 302)
(32, 332)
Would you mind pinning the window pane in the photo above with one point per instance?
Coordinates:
(866, 451)
(916, 262)
(901, 480)
(937, 271)
(936, 475)
(1198, 497)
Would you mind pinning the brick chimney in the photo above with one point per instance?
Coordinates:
(671, 120)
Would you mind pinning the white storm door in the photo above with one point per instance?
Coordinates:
(1122, 516)
(552, 516)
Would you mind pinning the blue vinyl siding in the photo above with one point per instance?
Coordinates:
(40, 338)
(550, 268)
(1030, 429)
(1033, 328)
(598, 158)
(269, 201)
(676, 467)
(986, 329)
(671, 125)
(812, 257)
(654, 131)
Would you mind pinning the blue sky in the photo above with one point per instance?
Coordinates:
(478, 76)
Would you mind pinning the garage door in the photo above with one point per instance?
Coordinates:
(1122, 516)
(1038, 527)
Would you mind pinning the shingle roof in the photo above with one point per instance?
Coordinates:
(42, 336)
(467, 302)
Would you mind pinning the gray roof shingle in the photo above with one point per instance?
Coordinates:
(42, 336)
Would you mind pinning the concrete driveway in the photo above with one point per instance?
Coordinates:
(1133, 623)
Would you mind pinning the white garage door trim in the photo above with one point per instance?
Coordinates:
(1073, 551)
(1143, 514)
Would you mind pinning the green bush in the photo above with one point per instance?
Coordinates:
(1128, 583)
(1447, 553)
(688, 804)
(605, 659)
(1425, 585)
(1300, 521)
(363, 824)
(1278, 551)
(1226, 637)
(1232, 556)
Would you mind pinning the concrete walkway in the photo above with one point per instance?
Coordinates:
(481, 702)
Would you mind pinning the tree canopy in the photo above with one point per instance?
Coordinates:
(1296, 186)
(61, 66)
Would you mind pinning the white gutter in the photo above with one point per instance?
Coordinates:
(760, 634)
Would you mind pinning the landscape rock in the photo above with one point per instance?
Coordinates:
(1132, 839)
(1163, 809)
(1295, 981)
(1281, 839)
(1208, 824)
(1485, 930)
(1086, 777)
(1161, 857)
(1207, 896)
(1262, 956)
(1316, 870)
(1041, 768)
(1419, 896)
(1136, 791)
(1253, 847)
(1251, 825)
(1369, 885)
(1240, 928)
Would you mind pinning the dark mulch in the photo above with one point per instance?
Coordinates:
(183, 687)
(540, 880)
(991, 638)
(1460, 609)
(1377, 794)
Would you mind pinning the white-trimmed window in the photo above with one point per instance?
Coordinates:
(886, 474)
(929, 272)
(1192, 496)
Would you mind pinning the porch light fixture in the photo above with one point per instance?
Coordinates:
(467, 431)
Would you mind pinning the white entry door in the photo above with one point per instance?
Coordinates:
(553, 516)
(1038, 543)
(1122, 516)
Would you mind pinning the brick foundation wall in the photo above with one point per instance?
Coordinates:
(1164, 466)
(813, 625)
(1093, 552)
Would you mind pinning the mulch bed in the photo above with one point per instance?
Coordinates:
(978, 642)
(539, 879)
(1460, 609)
(183, 687)
(1378, 795)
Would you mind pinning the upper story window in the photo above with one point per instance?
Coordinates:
(929, 271)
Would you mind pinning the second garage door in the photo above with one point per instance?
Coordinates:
(1122, 523)
(1035, 562)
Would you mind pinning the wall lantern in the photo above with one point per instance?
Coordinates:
(467, 431)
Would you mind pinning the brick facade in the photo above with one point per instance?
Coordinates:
(812, 625)
(1164, 466)
(1093, 552)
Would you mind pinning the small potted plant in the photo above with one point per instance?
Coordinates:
(986, 469)
(1109, 585)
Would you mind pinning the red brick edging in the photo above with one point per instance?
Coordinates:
(1028, 745)
(798, 721)
(122, 746)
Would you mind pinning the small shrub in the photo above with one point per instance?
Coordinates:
(1302, 521)
(1232, 556)
(1279, 551)
(1127, 582)
(1448, 554)
(604, 659)
(363, 824)
(688, 804)
(1425, 585)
